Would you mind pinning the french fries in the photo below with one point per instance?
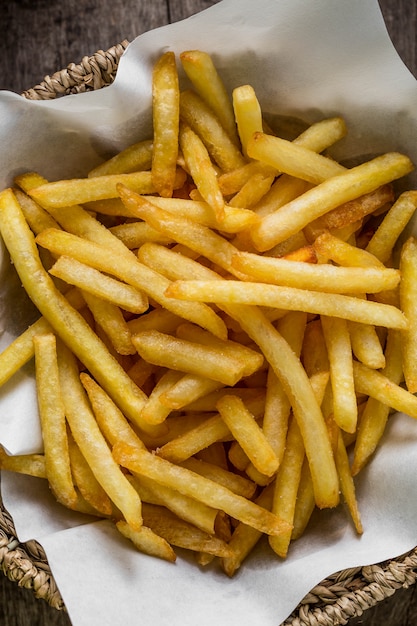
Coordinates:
(222, 316)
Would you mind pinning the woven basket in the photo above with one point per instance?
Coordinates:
(336, 599)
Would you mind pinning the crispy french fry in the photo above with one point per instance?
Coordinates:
(198, 487)
(102, 286)
(188, 509)
(408, 299)
(199, 165)
(320, 277)
(286, 486)
(65, 193)
(53, 422)
(383, 241)
(135, 157)
(91, 442)
(326, 196)
(196, 236)
(333, 248)
(292, 159)
(376, 385)
(246, 431)
(182, 534)
(366, 345)
(145, 540)
(347, 485)
(86, 482)
(186, 356)
(375, 414)
(188, 388)
(339, 349)
(248, 113)
(21, 350)
(356, 209)
(233, 292)
(29, 464)
(236, 483)
(165, 111)
(199, 116)
(201, 71)
(111, 320)
(245, 537)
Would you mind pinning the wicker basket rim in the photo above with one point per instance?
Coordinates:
(336, 599)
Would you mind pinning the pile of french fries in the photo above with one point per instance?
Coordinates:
(227, 320)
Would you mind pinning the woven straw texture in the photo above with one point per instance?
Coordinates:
(336, 599)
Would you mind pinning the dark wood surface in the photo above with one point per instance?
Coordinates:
(39, 37)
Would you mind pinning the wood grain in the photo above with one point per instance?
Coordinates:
(39, 38)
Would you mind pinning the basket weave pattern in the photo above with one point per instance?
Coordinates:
(336, 599)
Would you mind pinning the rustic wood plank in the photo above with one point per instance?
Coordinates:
(38, 38)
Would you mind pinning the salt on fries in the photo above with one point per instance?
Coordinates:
(222, 319)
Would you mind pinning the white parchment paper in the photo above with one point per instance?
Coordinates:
(306, 59)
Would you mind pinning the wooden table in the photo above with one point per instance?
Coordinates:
(38, 38)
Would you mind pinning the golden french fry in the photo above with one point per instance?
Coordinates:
(201, 71)
(198, 487)
(248, 113)
(252, 360)
(376, 385)
(339, 349)
(366, 345)
(233, 219)
(375, 414)
(187, 389)
(291, 158)
(347, 485)
(37, 218)
(92, 443)
(86, 482)
(196, 236)
(100, 285)
(112, 423)
(53, 422)
(305, 502)
(145, 540)
(134, 234)
(328, 195)
(186, 356)
(165, 111)
(384, 239)
(188, 509)
(333, 248)
(29, 464)
(408, 300)
(182, 534)
(110, 319)
(65, 193)
(286, 486)
(356, 209)
(199, 165)
(252, 191)
(245, 430)
(236, 483)
(318, 277)
(245, 538)
(155, 411)
(198, 115)
(135, 157)
(21, 350)
(233, 292)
